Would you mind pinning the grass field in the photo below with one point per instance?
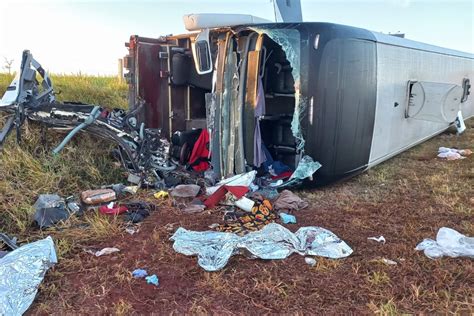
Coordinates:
(406, 199)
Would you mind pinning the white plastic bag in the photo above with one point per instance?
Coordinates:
(448, 243)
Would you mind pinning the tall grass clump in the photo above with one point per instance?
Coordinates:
(93, 90)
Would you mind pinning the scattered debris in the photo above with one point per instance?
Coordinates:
(452, 153)
(242, 223)
(143, 151)
(276, 183)
(448, 242)
(378, 239)
(131, 230)
(113, 209)
(274, 241)
(388, 261)
(161, 195)
(152, 279)
(131, 189)
(217, 195)
(9, 242)
(139, 273)
(98, 196)
(267, 192)
(194, 208)
(287, 218)
(21, 272)
(245, 204)
(121, 189)
(459, 122)
(137, 216)
(103, 252)
(133, 178)
(244, 179)
(288, 201)
(186, 190)
(305, 169)
(138, 211)
(310, 261)
(169, 227)
(73, 205)
(50, 209)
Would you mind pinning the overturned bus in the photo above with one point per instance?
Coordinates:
(347, 97)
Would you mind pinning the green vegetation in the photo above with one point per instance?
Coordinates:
(106, 91)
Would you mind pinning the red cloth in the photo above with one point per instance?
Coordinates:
(283, 175)
(237, 190)
(199, 159)
(115, 210)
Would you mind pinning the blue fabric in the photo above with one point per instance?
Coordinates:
(279, 167)
(152, 279)
(139, 273)
(287, 218)
(268, 162)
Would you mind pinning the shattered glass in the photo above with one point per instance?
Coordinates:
(289, 40)
(306, 168)
(211, 104)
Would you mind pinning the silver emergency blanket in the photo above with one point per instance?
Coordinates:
(272, 242)
(21, 272)
(448, 243)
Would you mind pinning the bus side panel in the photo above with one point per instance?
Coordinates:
(393, 133)
(344, 107)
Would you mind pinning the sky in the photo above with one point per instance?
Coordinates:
(88, 36)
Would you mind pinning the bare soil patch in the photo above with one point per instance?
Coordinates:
(405, 199)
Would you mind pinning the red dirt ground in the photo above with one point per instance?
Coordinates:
(406, 199)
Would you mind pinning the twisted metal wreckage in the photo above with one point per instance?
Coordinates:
(144, 152)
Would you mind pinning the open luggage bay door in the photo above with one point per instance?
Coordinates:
(148, 64)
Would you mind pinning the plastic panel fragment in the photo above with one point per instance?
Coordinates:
(213, 120)
(21, 272)
(244, 179)
(274, 241)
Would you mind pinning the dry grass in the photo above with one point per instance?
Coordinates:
(30, 169)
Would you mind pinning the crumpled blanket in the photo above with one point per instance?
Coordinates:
(448, 243)
(288, 201)
(21, 272)
(274, 241)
